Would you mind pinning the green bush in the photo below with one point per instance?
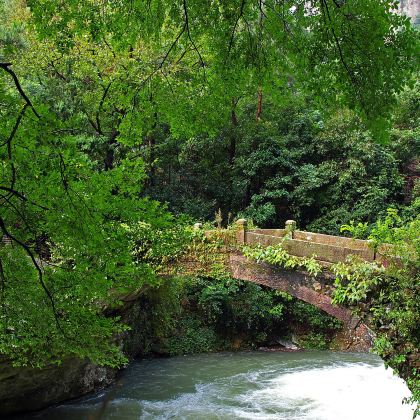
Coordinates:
(193, 315)
(191, 336)
(315, 319)
(314, 341)
(391, 294)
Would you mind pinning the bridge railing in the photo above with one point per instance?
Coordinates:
(327, 248)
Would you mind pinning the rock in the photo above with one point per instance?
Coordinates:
(287, 344)
(411, 8)
(317, 286)
(237, 343)
(24, 389)
(277, 349)
(357, 339)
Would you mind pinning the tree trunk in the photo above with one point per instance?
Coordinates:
(260, 103)
(110, 150)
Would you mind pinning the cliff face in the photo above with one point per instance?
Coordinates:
(411, 8)
(26, 389)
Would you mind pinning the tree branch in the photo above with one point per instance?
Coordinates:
(21, 196)
(5, 67)
(9, 144)
(241, 12)
(187, 25)
(38, 269)
(337, 43)
(101, 104)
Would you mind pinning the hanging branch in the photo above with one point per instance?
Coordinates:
(9, 145)
(184, 27)
(38, 269)
(337, 43)
(187, 25)
(10, 190)
(22, 197)
(161, 64)
(241, 12)
(101, 103)
(6, 67)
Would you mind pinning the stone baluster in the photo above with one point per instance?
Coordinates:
(290, 227)
(241, 232)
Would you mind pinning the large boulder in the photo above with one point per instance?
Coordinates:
(26, 388)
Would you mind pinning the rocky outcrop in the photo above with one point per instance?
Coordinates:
(27, 389)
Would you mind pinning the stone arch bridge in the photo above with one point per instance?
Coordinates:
(318, 290)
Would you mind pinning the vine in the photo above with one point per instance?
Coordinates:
(277, 255)
(203, 253)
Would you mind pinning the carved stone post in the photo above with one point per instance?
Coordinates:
(241, 232)
(290, 227)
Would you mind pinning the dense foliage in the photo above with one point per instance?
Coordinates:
(295, 163)
(202, 314)
(70, 203)
(326, 46)
(200, 104)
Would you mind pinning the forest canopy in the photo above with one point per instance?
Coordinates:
(185, 59)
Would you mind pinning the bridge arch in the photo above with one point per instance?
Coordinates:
(303, 286)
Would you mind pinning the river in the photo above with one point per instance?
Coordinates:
(310, 385)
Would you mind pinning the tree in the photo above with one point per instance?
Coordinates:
(322, 171)
(66, 215)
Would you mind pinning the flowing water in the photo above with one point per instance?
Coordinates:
(248, 385)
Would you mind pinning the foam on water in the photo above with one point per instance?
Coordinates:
(340, 392)
(344, 392)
